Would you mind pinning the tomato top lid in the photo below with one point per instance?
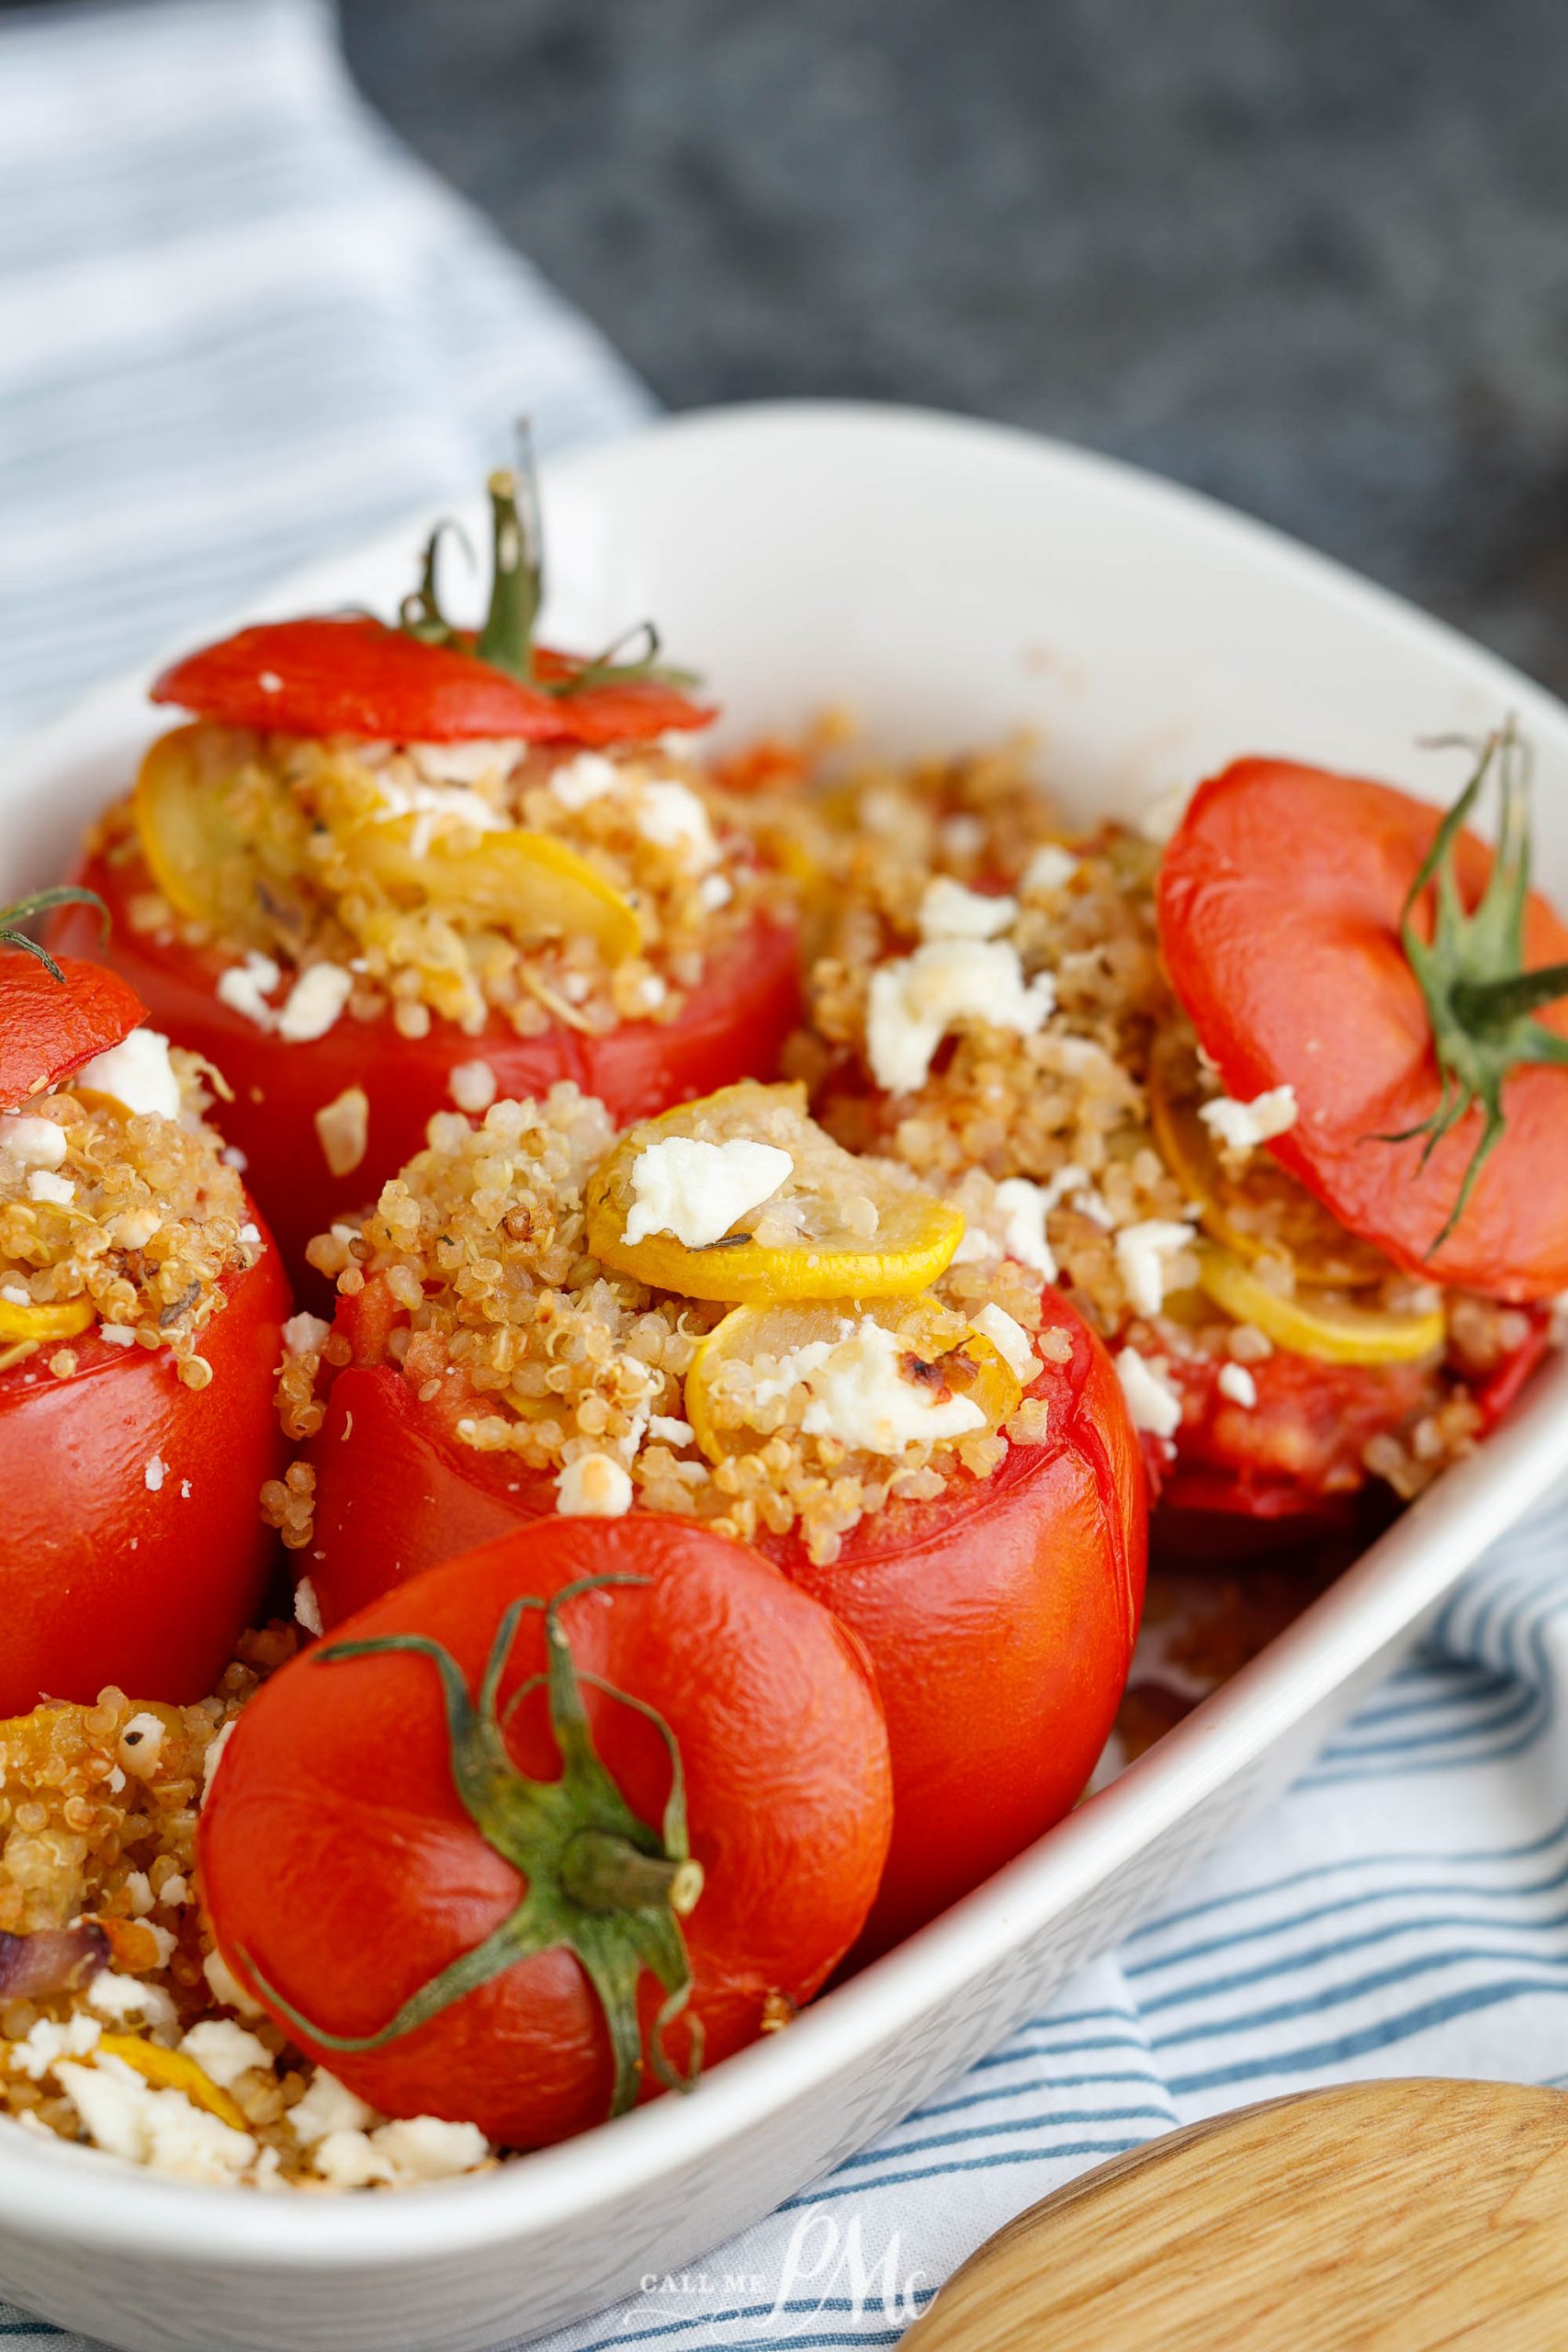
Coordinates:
(55, 1014)
(427, 681)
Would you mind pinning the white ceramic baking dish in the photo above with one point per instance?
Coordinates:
(952, 582)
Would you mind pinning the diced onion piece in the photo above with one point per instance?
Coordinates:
(914, 1237)
(971, 1364)
(1331, 1331)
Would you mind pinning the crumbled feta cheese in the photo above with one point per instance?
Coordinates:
(304, 1334)
(672, 817)
(245, 986)
(1240, 1127)
(950, 911)
(122, 1999)
(696, 1189)
(593, 1487)
(915, 1001)
(224, 2050)
(1010, 1339)
(654, 991)
(436, 807)
(348, 2160)
(307, 1608)
(176, 1891)
(1025, 1209)
(1144, 1253)
(250, 1234)
(664, 1428)
(134, 1228)
(126, 2116)
(472, 1086)
(117, 1335)
(139, 1886)
(859, 1393)
(1237, 1383)
(1052, 867)
(153, 1472)
(342, 1129)
(586, 778)
(44, 1186)
(225, 1986)
(142, 1741)
(1152, 1403)
(328, 2106)
(423, 2147)
(137, 1072)
(48, 2042)
(15, 1295)
(37, 1143)
(315, 1002)
(714, 891)
(466, 763)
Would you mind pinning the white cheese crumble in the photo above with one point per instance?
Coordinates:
(858, 1392)
(44, 1186)
(1010, 1339)
(314, 1003)
(137, 1072)
(224, 2050)
(225, 1985)
(714, 891)
(328, 2106)
(127, 2117)
(586, 778)
(1052, 867)
(436, 808)
(950, 911)
(425, 2147)
(47, 2043)
(915, 1001)
(307, 1608)
(122, 1999)
(142, 1741)
(1237, 1383)
(593, 1487)
(1144, 1253)
(1241, 1126)
(1152, 1403)
(15, 1295)
(695, 1191)
(665, 1429)
(671, 816)
(1026, 1207)
(304, 1334)
(153, 1473)
(117, 1335)
(37, 1143)
(472, 1086)
(466, 763)
(245, 986)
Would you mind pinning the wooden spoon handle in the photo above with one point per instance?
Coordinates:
(1375, 2217)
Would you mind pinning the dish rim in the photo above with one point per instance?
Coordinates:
(1382, 1596)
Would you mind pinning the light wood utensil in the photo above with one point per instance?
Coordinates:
(1376, 2217)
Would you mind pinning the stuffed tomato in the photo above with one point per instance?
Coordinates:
(1169, 1077)
(383, 869)
(646, 1784)
(141, 1308)
(724, 1316)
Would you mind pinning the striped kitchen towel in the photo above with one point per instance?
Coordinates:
(239, 325)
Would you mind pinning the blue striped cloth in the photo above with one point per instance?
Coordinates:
(238, 325)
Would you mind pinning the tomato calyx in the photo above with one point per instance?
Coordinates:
(517, 587)
(600, 1883)
(41, 902)
(1480, 999)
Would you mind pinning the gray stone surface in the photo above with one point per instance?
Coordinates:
(1312, 257)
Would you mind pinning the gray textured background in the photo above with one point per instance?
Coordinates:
(1312, 257)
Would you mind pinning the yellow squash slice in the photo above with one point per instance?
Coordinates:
(1332, 1330)
(1263, 1209)
(171, 2070)
(970, 1365)
(527, 885)
(59, 1319)
(838, 1226)
(198, 819)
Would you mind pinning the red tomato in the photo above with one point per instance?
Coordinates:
(1280, 903)
(339, 1865)
(355, 676)
(49, 1027)
(1300, 1445)
(732, 1025)
(107, 1577)
(1000, 1619)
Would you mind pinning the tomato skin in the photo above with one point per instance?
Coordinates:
(49, 1027)
(1280, 900)
(732, 1025)
(354, 676)
(999, 1619)
(374, 1877)
(80, 1607)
